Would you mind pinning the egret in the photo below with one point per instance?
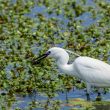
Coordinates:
(94, 72)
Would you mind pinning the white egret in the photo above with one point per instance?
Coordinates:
(94, 72)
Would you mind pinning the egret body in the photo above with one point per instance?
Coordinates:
(94, 72)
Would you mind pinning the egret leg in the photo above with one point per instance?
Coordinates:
(88, 91)
(88, 97)
(99, 98)
(66, 96)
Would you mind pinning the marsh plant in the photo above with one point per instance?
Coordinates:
(29, 27)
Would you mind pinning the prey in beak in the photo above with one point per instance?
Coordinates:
(41, 57)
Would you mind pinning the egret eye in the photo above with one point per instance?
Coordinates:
(49, 52)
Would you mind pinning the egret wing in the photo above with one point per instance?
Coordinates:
(92, 70)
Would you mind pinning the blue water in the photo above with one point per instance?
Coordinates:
(23, 102)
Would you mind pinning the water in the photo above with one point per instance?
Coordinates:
(23, 102)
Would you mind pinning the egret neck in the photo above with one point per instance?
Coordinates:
(66, 68)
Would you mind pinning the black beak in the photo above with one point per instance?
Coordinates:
(37, 61)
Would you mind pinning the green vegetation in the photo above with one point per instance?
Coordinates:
(24, 36)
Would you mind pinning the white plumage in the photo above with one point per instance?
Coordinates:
(94, 72)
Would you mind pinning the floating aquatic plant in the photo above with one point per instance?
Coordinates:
(25, 34)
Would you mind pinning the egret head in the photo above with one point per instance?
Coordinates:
(57, 53)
